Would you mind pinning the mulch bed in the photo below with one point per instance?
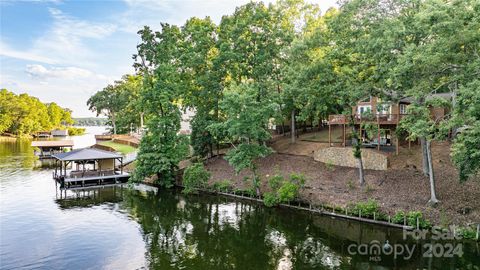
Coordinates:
(402, 187)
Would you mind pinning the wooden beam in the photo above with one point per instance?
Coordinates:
(378, 133)
(344, 135)
(329, 135)
(396, 145)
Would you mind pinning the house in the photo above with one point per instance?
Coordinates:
(383, 116)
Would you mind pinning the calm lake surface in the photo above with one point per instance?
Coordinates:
(42, 227)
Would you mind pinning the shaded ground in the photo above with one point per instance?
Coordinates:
(402, 187)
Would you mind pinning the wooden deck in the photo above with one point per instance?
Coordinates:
(381, 119)
(91, 180)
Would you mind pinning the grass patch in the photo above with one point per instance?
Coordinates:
(122, 148)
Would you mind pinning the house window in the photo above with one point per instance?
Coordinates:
(383, 109)
(364, 108)
(403, 108)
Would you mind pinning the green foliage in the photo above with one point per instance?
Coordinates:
(120, 103)
(25, 115)
(245, 125)
(75, 131)
(270, 199)
(283, 190)
(288, 191)
(195, 176)
(466, 147)
(162, 147)
(250, 192)
(366, 209)
(411, 219)
(467, 233)
(223, 185)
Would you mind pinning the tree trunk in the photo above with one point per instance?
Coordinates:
(433, 196)
(360, 171)
(292, 131)
(423, 143)
(357, 153)
(113, 124)
(141, 120)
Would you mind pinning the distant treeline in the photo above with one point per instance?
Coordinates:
(90, 121)
(23, 114)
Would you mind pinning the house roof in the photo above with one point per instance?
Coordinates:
(86, 154)
(61, 143)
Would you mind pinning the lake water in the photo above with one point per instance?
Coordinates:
(42, 227)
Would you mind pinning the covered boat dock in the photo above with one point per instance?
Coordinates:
(89, 167)
(48, 148)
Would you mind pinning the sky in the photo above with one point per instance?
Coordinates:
(64, 51)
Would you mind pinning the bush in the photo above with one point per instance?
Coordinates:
(287, 192)
(411, 219)
(298, 179)
(270, 199)
(223, 186)
(398, 217)
(275, 181)
(195, 176)
(283, 191)
(366, 209)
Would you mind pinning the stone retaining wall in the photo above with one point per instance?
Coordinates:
(343, 156)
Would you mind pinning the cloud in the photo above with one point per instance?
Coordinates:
(152, 12)
(39, 71)
(5, 50)
(65, 42)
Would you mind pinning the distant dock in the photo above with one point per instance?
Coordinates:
(48, 148)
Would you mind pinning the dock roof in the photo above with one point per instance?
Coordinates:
(86, 154)
(61, 143)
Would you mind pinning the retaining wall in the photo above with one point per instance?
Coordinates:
(343, 156)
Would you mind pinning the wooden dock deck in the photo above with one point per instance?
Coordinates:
(97, 180)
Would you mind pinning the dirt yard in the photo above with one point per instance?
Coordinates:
(402, 187)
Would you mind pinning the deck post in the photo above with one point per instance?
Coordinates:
(344, 136)
(378, 133)
(397, 141)
(329, 135)
(121, 165)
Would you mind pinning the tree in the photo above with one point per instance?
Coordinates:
(161, 148)
(201, 80)
(25, 115)
(245, 127)
(466, 147)
(108, 102)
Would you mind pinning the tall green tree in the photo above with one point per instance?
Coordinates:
(119, 102)
(161, 148)
(244, 127)
(201, 80)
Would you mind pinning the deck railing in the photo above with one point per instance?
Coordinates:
(340, 119)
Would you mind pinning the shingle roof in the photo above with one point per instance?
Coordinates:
(86, 154)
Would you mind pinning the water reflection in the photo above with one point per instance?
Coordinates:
(43, 227)
(206, 232)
